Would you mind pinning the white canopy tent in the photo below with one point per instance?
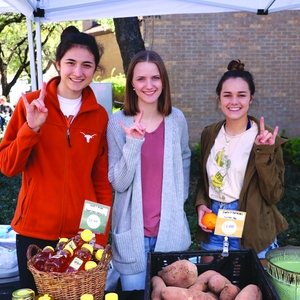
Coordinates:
(39, 11)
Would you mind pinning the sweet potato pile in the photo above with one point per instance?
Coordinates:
(180, 281)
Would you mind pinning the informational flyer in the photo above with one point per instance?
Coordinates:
(230, 223)
(95, 217)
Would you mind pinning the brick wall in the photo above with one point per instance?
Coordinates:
(197, 48)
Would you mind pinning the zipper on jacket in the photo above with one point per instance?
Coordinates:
(69, 120)
(20, 217)
(68, 137)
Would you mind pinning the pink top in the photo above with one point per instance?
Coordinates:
(152, 174)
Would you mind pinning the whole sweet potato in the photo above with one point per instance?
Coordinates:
(229, 292)
(250, 292)
(212, 295)
(181, 273)
(199, 286)
(157, 285)
(217, 282)
(177, 293)
(202, 280)
(206, 275)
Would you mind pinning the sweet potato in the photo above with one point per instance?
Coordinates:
(250, 292)
(217, 282)
(206, 275)
(157, 285)
(177, 293)
(212, 295)
(199, 286)
(229, 292)
(202, 280)
(181, 273)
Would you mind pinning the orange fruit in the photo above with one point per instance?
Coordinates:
(209, 220)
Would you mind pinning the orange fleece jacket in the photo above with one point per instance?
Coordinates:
(57, 176)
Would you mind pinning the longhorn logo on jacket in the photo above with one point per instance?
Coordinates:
(88, 136)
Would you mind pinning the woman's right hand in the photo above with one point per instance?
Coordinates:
(202, 210)
(137, 130)
(36, 112)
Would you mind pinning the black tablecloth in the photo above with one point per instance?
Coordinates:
(133, 295)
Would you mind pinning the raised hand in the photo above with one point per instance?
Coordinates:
(36, 112)
(137, 130)
(265, 137)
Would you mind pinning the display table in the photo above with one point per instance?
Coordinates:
(9, 272)
(133, 295)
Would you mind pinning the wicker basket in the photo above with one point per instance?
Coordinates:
(70, 286)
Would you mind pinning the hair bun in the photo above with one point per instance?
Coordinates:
(68, 30)
(235, 64)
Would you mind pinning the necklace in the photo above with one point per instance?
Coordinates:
(226, 141)
(225, 135)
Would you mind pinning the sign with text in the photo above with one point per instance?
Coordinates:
(230, 223)
(94, 216)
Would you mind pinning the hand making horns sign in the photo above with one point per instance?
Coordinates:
(36, 112)
(265, 137)
(137, 130)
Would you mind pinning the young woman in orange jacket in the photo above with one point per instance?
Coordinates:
(56, 139)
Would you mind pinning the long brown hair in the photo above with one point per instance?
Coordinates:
(131, 99)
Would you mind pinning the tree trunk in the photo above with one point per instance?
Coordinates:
(129, 38)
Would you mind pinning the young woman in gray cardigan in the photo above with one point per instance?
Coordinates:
(149, 166)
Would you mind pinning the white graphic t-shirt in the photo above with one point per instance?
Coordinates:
(227, 162)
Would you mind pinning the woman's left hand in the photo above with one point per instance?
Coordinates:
(265, 137)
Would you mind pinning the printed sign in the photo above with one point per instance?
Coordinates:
(94, 217)
(230, 223)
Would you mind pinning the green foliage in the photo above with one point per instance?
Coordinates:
(118, 87)
(115, 109)
(195, 156)
(14, 48)
(192, 218)
(13, 40)
(118, 83)
(8, 199)
(289, 206)
(106, 24)
(291, 151)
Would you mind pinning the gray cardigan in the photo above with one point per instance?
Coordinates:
(125, 177)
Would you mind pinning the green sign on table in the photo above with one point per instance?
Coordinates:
(94, 217)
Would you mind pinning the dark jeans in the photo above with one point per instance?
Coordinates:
(22, 244)
(2, 122)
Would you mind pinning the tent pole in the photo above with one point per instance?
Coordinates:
(31, 54)
(39, 52)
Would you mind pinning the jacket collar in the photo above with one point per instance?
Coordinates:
(89, 101)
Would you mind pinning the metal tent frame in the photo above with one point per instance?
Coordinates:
(39, 11)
